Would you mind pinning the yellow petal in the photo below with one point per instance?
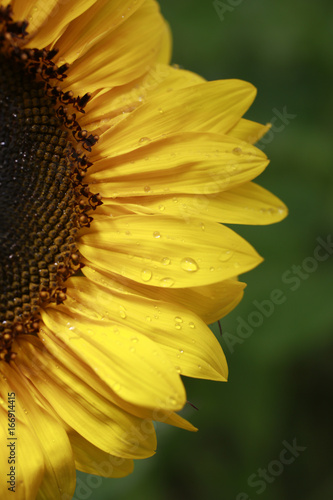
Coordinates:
(51, 453)
(59, 351)
(207, 107)
(121, 55)
(92, 460)
(36, 12)
(139, 372)
(29, 464)
(119, 101)
(46, 24)
(165, 52)
(84, 31)
(84, 409)
(182, 163)
(166, 251)
(248, 131)
(244, 204)
(181, 334)
(210, 302)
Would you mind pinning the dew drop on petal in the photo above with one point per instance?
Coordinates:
(212, 269)
(191, 325)
(173, 401)
(122, 312)
(237, 151)
(145, 139)
(167, 282)
(156, 234)
(146, 189)
(178, 319)
(134, 340)
(148, 318)
(165, 261)
(178, 326)
(225, 255)
(189, 265)
(161, 208)
(146, 275)
(178, 369)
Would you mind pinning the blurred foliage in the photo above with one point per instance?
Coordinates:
(280, 385)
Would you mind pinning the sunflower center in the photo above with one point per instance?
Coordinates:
(43, 202)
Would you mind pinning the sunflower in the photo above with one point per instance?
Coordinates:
(116, 172)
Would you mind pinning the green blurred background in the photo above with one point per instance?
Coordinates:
(280, 386)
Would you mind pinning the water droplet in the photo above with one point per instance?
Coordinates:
(178, 319)
(160, 110)
(178, 326)
(145, 139)
(161, 208)
(146, 189)
(237, 151)
(178, 369)
(146, 275)
(132, 349)
(212, 269)
(156, 234)
(202, 226)
(165, 261)
(191, 325)
(134, 340)
(122, 312)
(175, 200)
(225, 255)
(167, 282)
(173, 401)
(199, 366)
(181, 351)
(189, 265)
(148, 318)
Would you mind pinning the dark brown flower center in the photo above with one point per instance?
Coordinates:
(43, 201)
